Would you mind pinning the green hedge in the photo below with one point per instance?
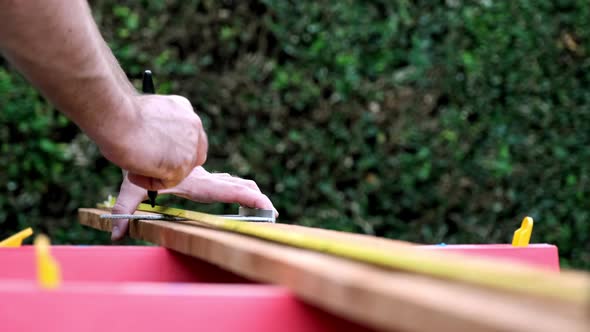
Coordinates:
(424, 121)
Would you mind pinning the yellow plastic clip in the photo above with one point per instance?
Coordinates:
(522, 236)
(16, 240)
(108, 203)
(48, 271)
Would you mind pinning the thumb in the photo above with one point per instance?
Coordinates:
(128, 199)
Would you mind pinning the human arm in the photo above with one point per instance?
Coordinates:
(58, 48)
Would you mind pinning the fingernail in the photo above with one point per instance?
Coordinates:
(115, 233)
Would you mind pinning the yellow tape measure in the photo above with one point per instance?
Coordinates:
(442, 265)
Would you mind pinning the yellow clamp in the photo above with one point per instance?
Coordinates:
(48, 271)
(108, 203)
(16, 240)
(522, 236)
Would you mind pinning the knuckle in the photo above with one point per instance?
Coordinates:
(239, 189)
(203, 159)
(180, 102)
(178, 99)
(186, 103)
(197, 122)
(251, 184)
(195, 160)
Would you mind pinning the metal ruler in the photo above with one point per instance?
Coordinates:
(244, 214)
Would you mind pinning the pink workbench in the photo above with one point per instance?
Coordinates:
(131, 288)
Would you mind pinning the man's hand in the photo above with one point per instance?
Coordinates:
(200, 186)
(164, 142)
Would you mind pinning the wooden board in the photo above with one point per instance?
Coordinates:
(461, 268)
(384, 299)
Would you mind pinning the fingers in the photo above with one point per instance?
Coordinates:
(202, 143)
(244, 182)
(225, 189)
(150, 183)
(228, 177)
(129, 198)
(247, 183)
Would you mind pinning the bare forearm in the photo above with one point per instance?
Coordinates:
(58, 47)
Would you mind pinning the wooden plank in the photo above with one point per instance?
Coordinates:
(379, 298)
(372, 241)
(504, 276)
(368, 240)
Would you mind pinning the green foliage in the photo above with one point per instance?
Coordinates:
(48, 169)
(423, 121)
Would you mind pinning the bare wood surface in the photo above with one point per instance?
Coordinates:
(379, 298)
(506, 276)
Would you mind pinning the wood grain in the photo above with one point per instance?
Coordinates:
(383, 299)
(506, 276)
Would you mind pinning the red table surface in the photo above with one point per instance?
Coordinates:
(129, 288)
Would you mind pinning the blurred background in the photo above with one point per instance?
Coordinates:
(428, 121)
